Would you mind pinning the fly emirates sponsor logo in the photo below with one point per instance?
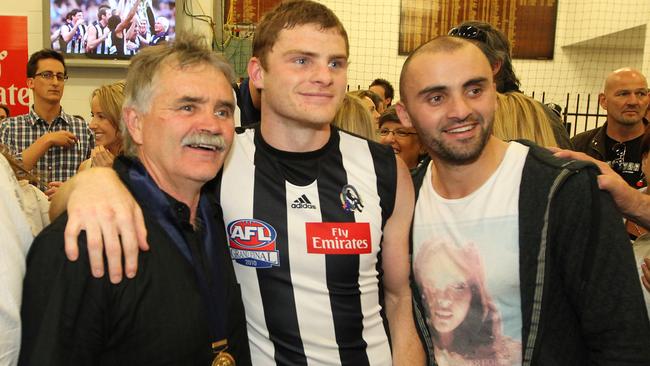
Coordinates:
(338, 238)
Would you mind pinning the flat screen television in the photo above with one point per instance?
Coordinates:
(106, 33)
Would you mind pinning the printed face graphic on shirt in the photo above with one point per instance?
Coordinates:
(463, 318)
(446, 293)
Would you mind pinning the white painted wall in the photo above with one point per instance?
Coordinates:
(585, 51)
(593, 37)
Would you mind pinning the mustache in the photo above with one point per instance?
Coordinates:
(471, 118)
(205, 140)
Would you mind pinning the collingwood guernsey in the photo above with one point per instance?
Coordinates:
(305, 231)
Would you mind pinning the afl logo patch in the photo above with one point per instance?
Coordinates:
(252, 243)
(350, 199)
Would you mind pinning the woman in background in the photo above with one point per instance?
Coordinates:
(520, 117)
(353, 116)
(404, 140)
(372, 101)
(106, 112)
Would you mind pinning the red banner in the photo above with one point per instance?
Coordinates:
(13, 64)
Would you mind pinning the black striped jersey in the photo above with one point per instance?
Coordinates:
(305, 233)
(103, 48)
(77, 43)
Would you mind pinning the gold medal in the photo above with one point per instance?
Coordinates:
(222, 358)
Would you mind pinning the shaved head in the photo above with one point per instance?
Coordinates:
(449, 96)
(626, 73)
(446, 44)
(625, 97)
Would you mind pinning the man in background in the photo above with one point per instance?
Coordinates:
(384, 89)
(618, 141)
(47, 138)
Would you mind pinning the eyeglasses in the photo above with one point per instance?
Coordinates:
(398, 133)
(468, 32)
(618, 163)
(49, 75)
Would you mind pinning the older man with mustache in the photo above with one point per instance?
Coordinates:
(184, 307)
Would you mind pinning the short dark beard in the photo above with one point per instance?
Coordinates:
(439, 151)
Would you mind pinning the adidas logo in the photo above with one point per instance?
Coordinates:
(303, 202)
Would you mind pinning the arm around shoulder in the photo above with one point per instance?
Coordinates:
(98, 203)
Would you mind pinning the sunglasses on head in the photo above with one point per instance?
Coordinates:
(468, 32)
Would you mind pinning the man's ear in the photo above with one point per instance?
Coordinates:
(497, 67)
(30, 83)
(602, 100)
(133, 123)
(256, 72)
(403, 114)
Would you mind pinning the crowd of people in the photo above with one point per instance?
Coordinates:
(284, 220)
(119, 28)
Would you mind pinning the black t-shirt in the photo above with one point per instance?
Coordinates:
(625, 159)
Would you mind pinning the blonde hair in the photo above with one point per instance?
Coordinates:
(353, 116)
(521, 117)
(111, 98)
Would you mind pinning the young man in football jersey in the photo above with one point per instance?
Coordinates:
(542, 276)
(317, 219)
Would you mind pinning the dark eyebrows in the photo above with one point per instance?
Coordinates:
(441, 88)
(432, 89)
(475, 81)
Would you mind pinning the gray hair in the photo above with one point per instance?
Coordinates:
(144, 71)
